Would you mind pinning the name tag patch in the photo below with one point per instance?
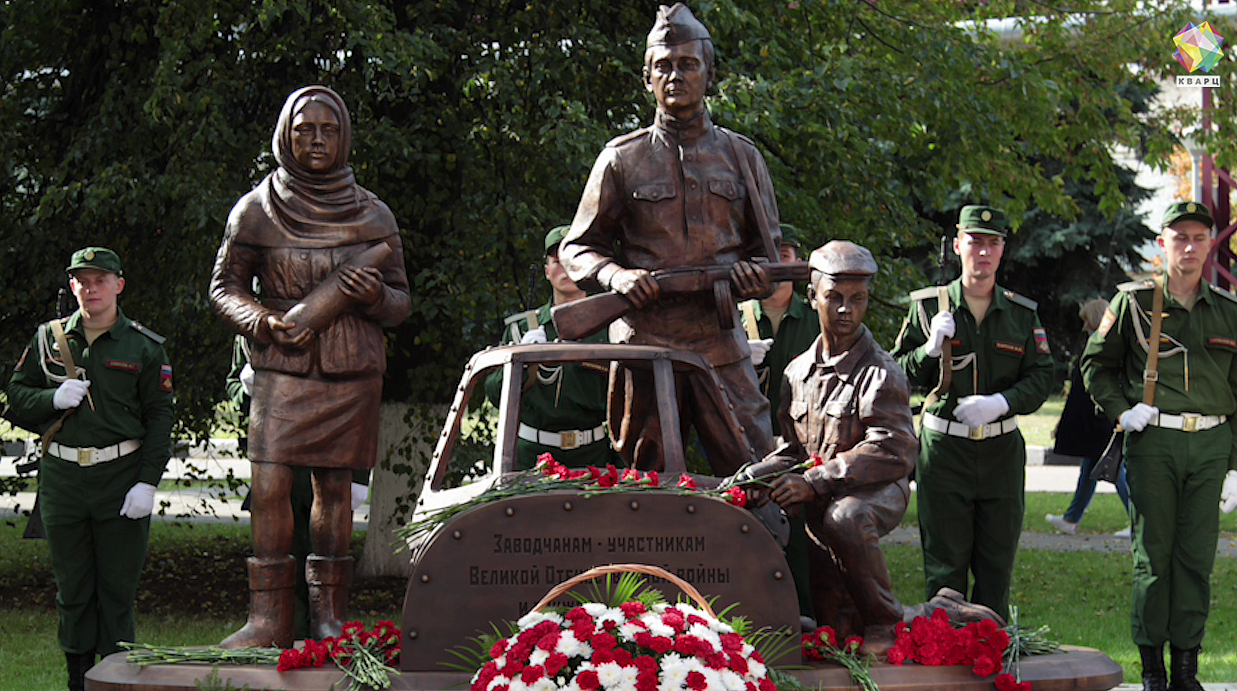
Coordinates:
(121, 364)
(1010, 347)
(1227, 341)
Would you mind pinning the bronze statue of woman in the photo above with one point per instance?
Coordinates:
(309, 234)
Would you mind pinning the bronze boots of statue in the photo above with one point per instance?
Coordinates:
(270, 604)
(955, 605)
(328, 579)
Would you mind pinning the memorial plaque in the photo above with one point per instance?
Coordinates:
(493, 563)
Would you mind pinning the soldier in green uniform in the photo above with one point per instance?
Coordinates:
(98, 475)
(563, 407)
(783, 325)
(1180, 451)
(779, 328)
(970, 469)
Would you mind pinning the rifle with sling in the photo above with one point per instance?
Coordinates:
(34, 525)
(586, 316)
(1110, 461)
(942, 304)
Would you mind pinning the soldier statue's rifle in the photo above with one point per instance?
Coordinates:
(586, 316)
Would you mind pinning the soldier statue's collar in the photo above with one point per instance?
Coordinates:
(683, 130)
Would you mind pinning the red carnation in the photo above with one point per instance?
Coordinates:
(695, 681)
(735, 496)
(289, 658)
(1005, 682)
(632, 608)
(587, 679)
(554, 662)
(686, 481)
(895, 655)
(532, 673)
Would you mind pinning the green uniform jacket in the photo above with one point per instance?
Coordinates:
(571, 396)
(799, 328)
(1197, 362)
(131, 385)
(1007, 353)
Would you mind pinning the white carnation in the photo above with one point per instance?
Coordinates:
(533, 618)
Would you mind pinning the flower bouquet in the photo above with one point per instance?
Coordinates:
(636, 645)
(365, 656)
(549, 475)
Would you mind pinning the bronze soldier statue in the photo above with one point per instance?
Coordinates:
(846, 402)
(679, 193)
(330, 270)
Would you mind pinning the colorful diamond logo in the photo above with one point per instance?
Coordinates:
(1198, 47)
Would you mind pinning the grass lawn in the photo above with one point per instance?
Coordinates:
(193, 592)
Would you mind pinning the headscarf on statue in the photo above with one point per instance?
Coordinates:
(309, 209)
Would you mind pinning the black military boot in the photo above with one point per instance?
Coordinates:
(78, 664)
(1154, 676)
(1185, 669)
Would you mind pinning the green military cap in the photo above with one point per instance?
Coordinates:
(675, 25)
(976, 218)
(790, 235)
(100, 258)
(554, 237)
(1186, 211)
(842, 259)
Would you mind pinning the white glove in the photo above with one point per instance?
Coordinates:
(1138, 417)
(359, 493)
(760, 347)
(1228, 495)
(70, 393)
(941, 327)
(536, 335)
(974, 411)
(247, 379)
(139, 501)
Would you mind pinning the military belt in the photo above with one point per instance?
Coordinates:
(1188, 422)
(86, 456)
(566, 439)
(959, 429)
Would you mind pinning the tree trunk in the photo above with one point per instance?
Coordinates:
(406, 437)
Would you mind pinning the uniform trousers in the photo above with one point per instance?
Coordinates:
(969, 496)
(1175, 479)
(96, 553)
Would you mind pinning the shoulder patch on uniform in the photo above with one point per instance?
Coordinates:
(146, 332)
(924, 293)
(1129, 286)
(624, 138)
(1020, 300)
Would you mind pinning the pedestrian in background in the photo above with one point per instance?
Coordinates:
(1083, 431)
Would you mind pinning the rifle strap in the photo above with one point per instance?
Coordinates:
(1150, 376)
(748, 308)
(70, 370)
(754, 197)
(946, 371)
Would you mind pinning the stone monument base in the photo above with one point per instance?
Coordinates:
(1074, 669)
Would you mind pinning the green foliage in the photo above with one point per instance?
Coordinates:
(138, 124)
